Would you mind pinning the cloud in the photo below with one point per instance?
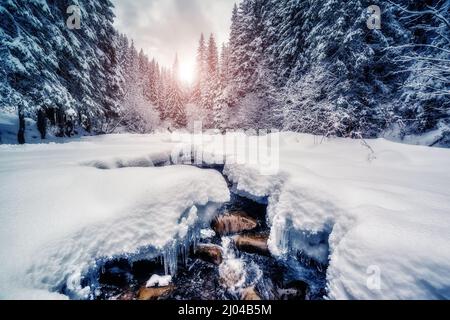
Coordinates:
(166, 27)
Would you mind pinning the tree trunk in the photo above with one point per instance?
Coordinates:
(60, 120)
(42, 123)
(21, 133)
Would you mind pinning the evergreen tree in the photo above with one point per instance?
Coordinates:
(210, 90)
(212, 59)
(425, 60)
(201, 71)
(69, 70)
(315, 66)
(175, 101)
(224, 66)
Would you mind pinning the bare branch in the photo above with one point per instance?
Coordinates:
(416, 45)
(430, 10)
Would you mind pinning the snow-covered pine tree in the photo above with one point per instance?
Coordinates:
(153, 75)
(69, 70)
(201, 71)
(425, 60)
(316, 63)
(212, 58)
(211, 86)
(247, 57)
(224, 66)
(138, 112)
(234, 56)
(175, 101)
(163, 90)
(221, 102)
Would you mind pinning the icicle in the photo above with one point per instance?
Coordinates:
(179, 248)
(184, 254)
(281, 235)
(194, 243)
(170, 260)
(165, 260)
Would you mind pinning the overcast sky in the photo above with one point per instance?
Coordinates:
(165, 27)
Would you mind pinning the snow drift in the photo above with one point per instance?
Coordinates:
(59, 216)
(378, 213)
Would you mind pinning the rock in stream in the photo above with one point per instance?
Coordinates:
(233, 222)
(253, 243)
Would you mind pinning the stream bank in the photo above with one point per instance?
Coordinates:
(230, 261)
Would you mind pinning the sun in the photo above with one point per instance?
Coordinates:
(186, 72)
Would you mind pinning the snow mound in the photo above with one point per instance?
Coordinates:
(58, 217)
(378, 213)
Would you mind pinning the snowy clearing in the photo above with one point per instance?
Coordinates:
(380, 219)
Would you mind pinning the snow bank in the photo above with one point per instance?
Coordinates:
(380, 217)
(59, 215)
(378, 214)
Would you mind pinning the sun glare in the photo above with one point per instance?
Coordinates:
(187, 72)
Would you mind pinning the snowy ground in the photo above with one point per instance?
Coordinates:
(385, 208)
(60, 213)
(381, 218)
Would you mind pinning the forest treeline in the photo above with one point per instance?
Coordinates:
(299, 65)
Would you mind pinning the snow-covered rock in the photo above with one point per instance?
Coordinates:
(159, 281)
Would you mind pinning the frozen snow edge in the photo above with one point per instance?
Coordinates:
(286, 237)
(386, 216)
(64, 270)
(69, 216)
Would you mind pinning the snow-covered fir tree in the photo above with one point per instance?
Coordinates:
(90, 79)
(207, 83)
(138, 113)
(425, 60)
(316, 67)
(224, 65)
(47, 66)
(300, 65)
(175, 101)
